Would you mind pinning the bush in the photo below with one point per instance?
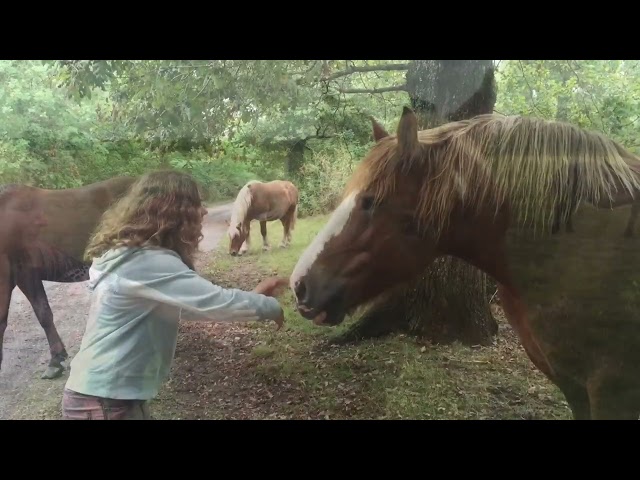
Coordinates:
(323, 178)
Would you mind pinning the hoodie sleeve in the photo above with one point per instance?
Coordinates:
(168, 280)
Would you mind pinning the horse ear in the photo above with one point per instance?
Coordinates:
(407, 132)
(378, 130)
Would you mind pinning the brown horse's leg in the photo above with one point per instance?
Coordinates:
(576, 394)
(287, 222)
(516, 315)
(577, 397)
(263, 232)
(31, 285)
(613, 397)
(635, 209)
(285, 228)
(7, 284)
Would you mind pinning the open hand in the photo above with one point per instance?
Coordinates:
(272, 287)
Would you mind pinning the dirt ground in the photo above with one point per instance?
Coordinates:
(26, 352)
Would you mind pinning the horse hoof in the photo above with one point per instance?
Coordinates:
(52, 372)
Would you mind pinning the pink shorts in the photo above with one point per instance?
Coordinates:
(77, 406)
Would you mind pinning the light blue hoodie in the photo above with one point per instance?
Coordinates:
(131, 332)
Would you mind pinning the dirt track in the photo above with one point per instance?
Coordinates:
(26, 352)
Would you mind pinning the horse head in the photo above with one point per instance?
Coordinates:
(237, 236)
(372, 240)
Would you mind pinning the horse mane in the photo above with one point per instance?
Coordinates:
(533, 164)
(241, 206)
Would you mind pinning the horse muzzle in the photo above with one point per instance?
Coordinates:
(321, 301)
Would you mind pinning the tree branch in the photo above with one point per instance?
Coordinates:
(324, 136)
(367, 68)
(395, 88)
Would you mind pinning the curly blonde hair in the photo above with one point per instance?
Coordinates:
(162, 208)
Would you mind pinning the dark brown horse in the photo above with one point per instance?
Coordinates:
(485, 190)
(44, 236)
(265, 202)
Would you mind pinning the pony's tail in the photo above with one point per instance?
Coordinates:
(294, 217)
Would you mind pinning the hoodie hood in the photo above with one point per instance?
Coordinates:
(107, 263)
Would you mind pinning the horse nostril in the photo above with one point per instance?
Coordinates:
(233, 254)
(300, 291)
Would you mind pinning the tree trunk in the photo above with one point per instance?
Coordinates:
(449, 302)
(295, 157)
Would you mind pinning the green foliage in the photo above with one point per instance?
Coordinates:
(201, 100)
(266, 105)
(67, 123)
(323, 178)
(602, 95)
(38, 128)
(49, 140)
(221, 178)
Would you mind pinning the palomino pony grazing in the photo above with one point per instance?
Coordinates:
(59, 224)
(485, 190)
(276, 200)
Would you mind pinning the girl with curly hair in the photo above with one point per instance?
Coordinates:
(143, 281)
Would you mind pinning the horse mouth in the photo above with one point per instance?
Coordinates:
(323, 318)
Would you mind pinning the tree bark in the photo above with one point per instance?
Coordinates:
(450, 301)
(295, 157)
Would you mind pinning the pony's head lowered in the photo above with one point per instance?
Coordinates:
(451, 190)
(237, 227)
(237, 236)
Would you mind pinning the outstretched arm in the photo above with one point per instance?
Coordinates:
(171, 282)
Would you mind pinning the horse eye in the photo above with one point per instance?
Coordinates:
(367, 203)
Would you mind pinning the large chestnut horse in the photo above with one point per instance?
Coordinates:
(55, 253)
(265, 202)
(487, 190)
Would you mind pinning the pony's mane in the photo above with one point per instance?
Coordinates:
(241, 206)
(535, 165)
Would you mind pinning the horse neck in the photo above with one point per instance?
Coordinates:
(479, 240)
(241, 206)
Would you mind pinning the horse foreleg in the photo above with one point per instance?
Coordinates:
(7, 284)
(614, 396)
(244, 248)
(633, 216)
(577, 397)
(31, 285)
(263, 232)
(516, 315)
